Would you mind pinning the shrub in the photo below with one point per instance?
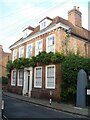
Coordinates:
(70, 68)
(88, 86)
(4, 80)
(9, 66)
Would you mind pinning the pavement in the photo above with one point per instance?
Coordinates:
(54, 105)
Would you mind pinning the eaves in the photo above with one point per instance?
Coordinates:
(48, 29)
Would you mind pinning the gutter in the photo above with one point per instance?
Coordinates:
(40, 33)
(80, 37)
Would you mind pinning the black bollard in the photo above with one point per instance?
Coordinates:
(50, 101)
(2, 108)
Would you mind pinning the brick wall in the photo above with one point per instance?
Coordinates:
(74, 16)
(75, 44)
(44, 92)
(4, 57)
(89, 50)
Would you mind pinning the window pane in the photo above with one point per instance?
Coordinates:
(21, 77)
(29, 50)
(14, 54)
(29, 54)
(13, 78)
(21, 52)
(38, 72)
(50, 84)
(50, 71)
(50, 76)
(38, 47)
(50, 43)
(21, 74)
(38, 77)
(14, 74)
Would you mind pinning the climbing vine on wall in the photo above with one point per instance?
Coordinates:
(42, 58)
(70, 68)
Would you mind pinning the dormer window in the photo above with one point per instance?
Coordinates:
(27, 31)
(43, 25)
(45, 22)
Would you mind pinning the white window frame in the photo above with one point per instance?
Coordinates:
(27, 50)
(47, 38)
(43, 24)
(20, 51)
(54, 76)
(14, 54)
(36, 47)
(26, 33)
(13, 81)
(18, 83)
(35, 86)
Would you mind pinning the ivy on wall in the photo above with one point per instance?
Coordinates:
(47, 58)
(9, 66)
(42, 58)
(70, 68)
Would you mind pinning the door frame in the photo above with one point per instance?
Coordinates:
(25, 85)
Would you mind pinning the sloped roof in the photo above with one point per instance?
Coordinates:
(29, 27)
(75, 30)
(46, 18)
(79, 31)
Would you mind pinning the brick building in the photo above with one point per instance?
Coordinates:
(4, 58)
(55, 35)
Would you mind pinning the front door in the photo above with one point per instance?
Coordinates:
(27, 88)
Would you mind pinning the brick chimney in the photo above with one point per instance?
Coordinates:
(75, 16)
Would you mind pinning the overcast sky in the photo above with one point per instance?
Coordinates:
(16, 15)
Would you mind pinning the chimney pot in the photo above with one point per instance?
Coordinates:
(74, 7)
(75, 16)
(78, 8)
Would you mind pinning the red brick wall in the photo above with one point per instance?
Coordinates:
(74, 16)
(15, 89)
(4, 57)
(74, 45)
(44, 92)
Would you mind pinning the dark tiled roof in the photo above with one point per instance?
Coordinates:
(78, 31)
(30, 28)
(75, 30)
(46, 18)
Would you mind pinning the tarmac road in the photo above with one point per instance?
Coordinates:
(15, 108)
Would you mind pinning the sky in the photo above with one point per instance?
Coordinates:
(16, 15)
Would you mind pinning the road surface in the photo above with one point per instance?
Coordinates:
(15, 108)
